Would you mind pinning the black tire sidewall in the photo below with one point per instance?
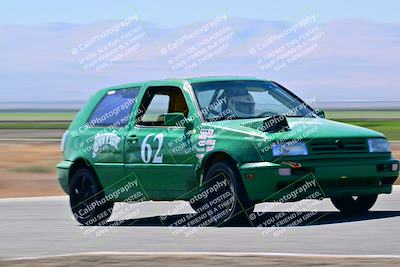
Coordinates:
(100, 214)
(349, 205)
(232, 175)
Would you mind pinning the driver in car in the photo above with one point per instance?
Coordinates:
(240, 102)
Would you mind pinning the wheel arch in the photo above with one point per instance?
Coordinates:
(214, 157)
(80, 163)
(218, 156)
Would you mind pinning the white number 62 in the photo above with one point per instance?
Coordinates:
(146, 150)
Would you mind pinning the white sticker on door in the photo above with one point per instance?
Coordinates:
(105, 141)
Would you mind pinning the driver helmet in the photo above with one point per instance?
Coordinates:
(241, 102)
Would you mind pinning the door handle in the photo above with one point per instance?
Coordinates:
(132, 139)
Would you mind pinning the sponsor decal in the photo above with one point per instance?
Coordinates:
(201, 149)
(202, 136)
(105, 142)
(207, 132)
(211, 142)
(201, 143)
(209, 148)
(206, 142)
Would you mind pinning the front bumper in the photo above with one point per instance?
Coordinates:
(331, 177)
(63, 168)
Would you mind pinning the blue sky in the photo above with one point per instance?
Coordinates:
(174, 13)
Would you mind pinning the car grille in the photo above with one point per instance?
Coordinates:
(339, 183)
(336, 146)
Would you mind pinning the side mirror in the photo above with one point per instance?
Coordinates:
(176, 119)
(320, 113)
(189, 125)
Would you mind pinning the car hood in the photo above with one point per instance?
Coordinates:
(300, 128)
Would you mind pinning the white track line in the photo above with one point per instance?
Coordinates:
(228, 254)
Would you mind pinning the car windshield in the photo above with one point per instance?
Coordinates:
(225, 100)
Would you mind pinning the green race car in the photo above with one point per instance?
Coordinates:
(221, 143)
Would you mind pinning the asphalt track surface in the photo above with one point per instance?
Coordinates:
(34, 227)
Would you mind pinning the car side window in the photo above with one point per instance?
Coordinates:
(157, 107)
(160, 100)
(114, 109)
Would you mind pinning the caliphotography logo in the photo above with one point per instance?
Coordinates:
(213, 133)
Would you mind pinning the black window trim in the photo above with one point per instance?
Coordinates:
(138, 122)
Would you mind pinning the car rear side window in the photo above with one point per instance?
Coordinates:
(114, 109)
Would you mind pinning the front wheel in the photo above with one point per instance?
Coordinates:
(88, 203)
(354, 204)
(223, 197)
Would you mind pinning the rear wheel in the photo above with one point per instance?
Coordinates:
(354, 204)
(88, 203)
(223, 197)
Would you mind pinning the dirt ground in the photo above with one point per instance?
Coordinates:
(202, 260)
(396, 150)
(28, 169)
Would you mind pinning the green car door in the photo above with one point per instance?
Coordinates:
(103, 140)
(161, 156)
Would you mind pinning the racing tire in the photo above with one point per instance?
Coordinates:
(224, 197)
(87, 200)
(355, 205)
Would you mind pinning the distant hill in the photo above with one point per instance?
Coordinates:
(352, 60)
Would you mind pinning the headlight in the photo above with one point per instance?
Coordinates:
(378, 145)
(63, 140)
(290, 149)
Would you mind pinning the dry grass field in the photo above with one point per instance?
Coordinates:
(202, 260)
(28, 169)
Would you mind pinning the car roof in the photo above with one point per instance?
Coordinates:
(189, 80)
(222, 78)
